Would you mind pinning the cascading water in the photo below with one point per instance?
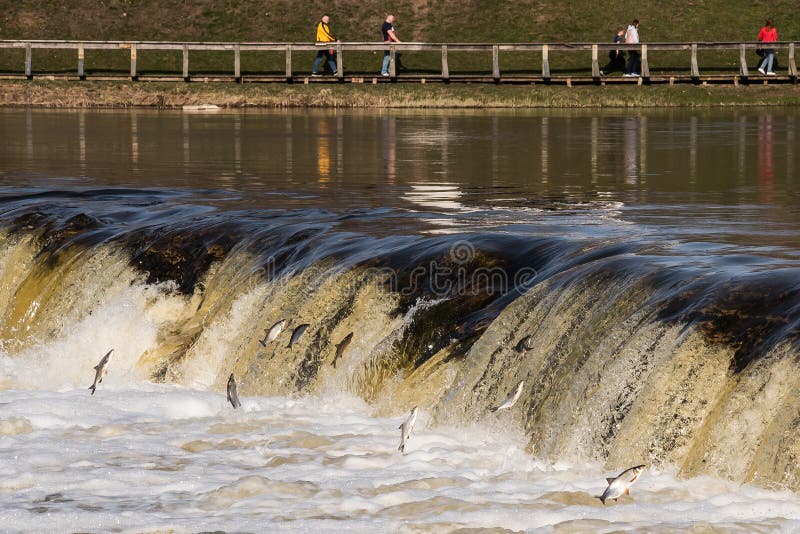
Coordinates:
(632, 358)
(647, 328)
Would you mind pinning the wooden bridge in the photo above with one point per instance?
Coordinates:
(587, 57)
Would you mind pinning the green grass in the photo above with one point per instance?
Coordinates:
(171, 95)
(359, 20)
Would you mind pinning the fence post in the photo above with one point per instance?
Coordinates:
(185, 62)
(289, 75)
(237, 64)
(545, 62)
(392, 62)
(496, 63)
(28, 61)
(595, 62)
(445, 66)
(695, 68)
(133, 62)
(743, 61)
(81, 74)
(645, 64)
(792, 63)
(339, 62)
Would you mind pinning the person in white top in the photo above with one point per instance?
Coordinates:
(634, 57)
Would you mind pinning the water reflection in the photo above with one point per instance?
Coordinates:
(631, 148)
(135, 141)
(298, 151)
(82, 141)
(323, 151)
(545, 149)
(389, 132)
(766, 160)
(693, 150)
(28, 134)
(595, 144)
(791, 146)
(237, 144)
(187, 145)
(742, 148)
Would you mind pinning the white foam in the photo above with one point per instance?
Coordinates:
(117, 460)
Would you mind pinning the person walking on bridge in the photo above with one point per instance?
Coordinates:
(324, 36)
(634, 58)
(389, 36)
(616, 57)
(768, 34)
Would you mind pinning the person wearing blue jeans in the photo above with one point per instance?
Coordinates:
(324, 36)
(768, 34)
(389, 36)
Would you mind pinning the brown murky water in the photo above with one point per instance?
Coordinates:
(721, 176)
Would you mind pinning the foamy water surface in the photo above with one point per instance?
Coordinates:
(148, 457)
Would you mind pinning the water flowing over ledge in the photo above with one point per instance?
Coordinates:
(638, 356)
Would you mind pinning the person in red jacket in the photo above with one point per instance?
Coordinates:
(768, 34)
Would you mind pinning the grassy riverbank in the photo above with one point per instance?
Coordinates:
(62, 94)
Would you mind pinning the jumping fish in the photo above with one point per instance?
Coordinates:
(233, 396)
(273, 332)
(100, 370)
(511, 399)
(526, 343)
(298, 331)
(621, 484)
(406, 428)
(340, 348)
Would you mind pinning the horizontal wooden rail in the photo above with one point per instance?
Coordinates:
(493, 50)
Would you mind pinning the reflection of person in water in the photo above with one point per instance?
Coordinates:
(323, 151)
(766, 161)
(389, 149)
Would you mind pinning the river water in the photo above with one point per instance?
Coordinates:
(649, 258)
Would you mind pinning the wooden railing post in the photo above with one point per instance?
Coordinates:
(496, 63)
(339, 62)
(133, 62)
(81, 74)
(743, 61)
(695, 68)
(28, 61)
(237, 63)
(645, 63)
(445, 66)
(186, 63)
(395, 49)
(289, 74)
(545, 62)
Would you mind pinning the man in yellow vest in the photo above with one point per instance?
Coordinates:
(324, 36)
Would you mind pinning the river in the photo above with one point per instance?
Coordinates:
(637, 270)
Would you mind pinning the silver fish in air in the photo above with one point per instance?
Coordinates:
(233, 396)
(273, 332)
(511, 399)
(621, 484)
(100, 370)
(406, 428)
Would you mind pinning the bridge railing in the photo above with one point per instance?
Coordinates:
(692, 71)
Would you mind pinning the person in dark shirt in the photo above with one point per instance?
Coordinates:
(616, 57)
(389, 36)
